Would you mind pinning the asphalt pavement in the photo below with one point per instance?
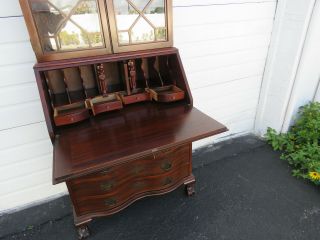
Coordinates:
(243, 192)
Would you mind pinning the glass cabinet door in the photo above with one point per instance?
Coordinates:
(140, 24)
(67, 28)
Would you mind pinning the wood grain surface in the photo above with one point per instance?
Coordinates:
(116, 137)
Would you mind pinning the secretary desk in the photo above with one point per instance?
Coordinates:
(116, 101)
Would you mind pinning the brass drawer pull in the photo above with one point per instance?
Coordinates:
(106, 186)
(167, 181)
(110, 202)
(166, 166)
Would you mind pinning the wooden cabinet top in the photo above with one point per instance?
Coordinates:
(118, 136)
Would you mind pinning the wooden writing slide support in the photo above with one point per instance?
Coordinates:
(71, 113)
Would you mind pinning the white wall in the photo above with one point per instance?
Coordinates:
(292, 69)
(308, 72)
(223, 44)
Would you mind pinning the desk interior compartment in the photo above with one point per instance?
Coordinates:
(163, 79)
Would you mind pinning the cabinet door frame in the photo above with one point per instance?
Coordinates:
(117, 48)
(51, 56)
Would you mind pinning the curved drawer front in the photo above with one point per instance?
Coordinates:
(114, 186)
(117, 177)
(123, 196)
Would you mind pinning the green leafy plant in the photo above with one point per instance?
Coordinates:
(69, 38)
(300, 145)
(91, 37)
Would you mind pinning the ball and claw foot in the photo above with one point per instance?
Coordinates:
(83, 232)
(190, 189)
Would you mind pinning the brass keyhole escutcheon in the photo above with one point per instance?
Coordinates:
(166, 166)
(106, 186)
(110, 202)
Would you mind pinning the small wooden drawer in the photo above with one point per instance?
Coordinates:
(166, 94)
(70, 113)
(105, 103)
(134, 98)
(110, 179)
(126, 194)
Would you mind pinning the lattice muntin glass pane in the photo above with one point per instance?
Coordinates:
(140, 21)
(68, 25)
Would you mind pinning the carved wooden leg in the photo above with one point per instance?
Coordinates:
(81, 226)
(190, 185)
(83, 231)
(190, 189)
